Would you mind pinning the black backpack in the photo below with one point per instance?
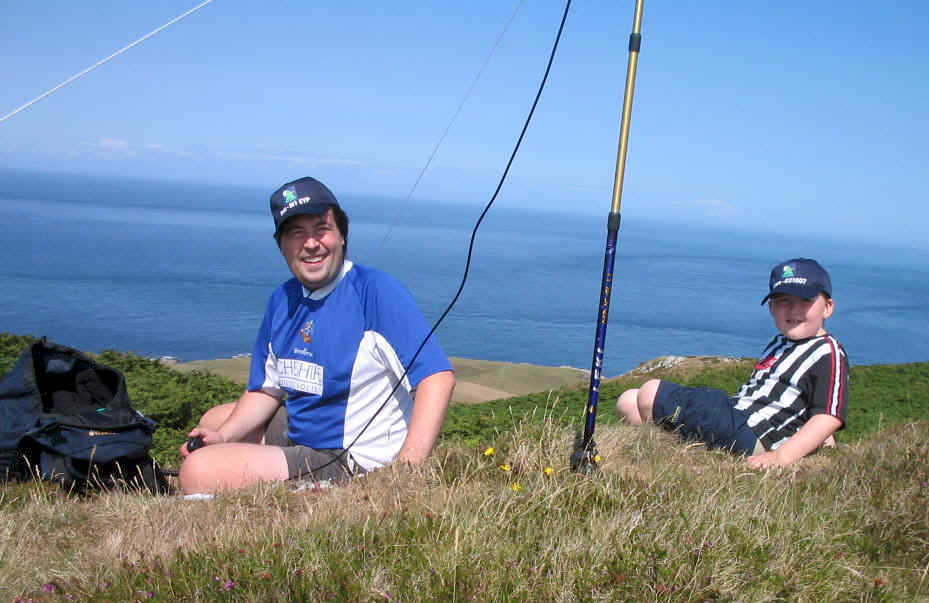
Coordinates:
(66, 418)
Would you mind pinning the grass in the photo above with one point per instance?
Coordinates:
(661, 520)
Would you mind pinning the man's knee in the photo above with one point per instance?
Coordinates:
(195, 474)
(231, 466)
(215, 416)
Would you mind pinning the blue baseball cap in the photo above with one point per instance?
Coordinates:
(303, 196)
(801, 277)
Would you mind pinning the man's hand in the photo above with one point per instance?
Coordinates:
(244, 423)
(208, 436)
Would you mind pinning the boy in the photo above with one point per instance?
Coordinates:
(795, 399)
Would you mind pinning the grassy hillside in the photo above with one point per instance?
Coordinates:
(880, 395)
(660, 521)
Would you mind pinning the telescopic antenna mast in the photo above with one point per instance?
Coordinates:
(584, 459)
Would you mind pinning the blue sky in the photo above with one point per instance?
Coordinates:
(797, 117)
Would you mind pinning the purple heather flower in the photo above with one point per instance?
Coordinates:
(229, 585)
(48, 588)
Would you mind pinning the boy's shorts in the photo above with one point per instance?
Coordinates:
(336, 464)
(703, 414)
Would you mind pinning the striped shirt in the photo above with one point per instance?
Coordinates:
(793, 381)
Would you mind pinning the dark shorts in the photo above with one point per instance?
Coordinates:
(302, 461)
(703, 414)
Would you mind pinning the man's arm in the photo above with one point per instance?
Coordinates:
(430, 403)
(250, 413)
(253, 410)
(810, 437)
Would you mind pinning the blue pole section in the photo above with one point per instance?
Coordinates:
(584, 459)
(606, 287)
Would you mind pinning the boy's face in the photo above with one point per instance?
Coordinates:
(799, 318)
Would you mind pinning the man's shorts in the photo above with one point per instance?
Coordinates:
(336, 464)
(703, 414)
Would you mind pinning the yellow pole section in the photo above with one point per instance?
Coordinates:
(634, 42)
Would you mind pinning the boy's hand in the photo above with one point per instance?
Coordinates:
(765, 460)
(811, 436)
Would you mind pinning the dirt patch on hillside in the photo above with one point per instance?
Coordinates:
(478, 380)
(484, 380)
(684, 366)
(468, 392)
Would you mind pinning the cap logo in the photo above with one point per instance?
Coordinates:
(788, 272)
(291, 201)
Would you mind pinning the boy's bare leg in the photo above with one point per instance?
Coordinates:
(645, 399)
(628, 407)
(635, 405)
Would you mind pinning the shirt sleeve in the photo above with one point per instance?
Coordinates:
(262, 375)
(829, 383)
(391, 311)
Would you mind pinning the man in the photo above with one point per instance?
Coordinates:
(327, 394)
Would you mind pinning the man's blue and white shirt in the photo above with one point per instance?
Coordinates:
(335, 354)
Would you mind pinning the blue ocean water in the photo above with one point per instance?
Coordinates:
(185, 270)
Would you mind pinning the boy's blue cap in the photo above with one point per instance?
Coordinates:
(801, 277)
(303, 196)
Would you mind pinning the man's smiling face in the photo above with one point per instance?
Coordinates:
(314, 248)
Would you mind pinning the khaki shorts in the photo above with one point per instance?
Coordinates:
(336, 465)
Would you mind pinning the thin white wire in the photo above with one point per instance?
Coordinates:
(467, 95)
(101, 62)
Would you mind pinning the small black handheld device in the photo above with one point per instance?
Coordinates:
(194, 443)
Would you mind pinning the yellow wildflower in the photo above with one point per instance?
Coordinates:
(516, 487)
(597, 458)
(504, 467)
(489, 451)
(547, 471)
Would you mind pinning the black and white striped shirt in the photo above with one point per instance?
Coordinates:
(793, 381)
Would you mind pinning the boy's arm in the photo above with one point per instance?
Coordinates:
(810, 437)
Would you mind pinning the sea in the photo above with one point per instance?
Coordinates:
(183, 270)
